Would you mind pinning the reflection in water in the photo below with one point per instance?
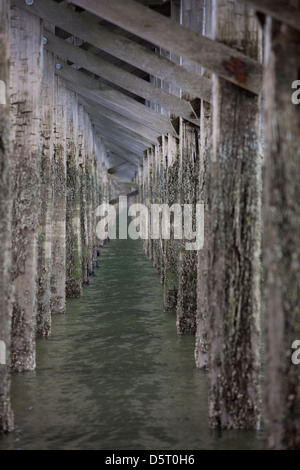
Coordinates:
(114, 374)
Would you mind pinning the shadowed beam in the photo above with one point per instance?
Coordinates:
(281, 11)
(108, 94)
(119, 46)
(118, 149)
(113, 128)
(115, 169)
(117, 108)
(128, 159)
(123, 121)
(121, 180)
(127, 145)
(133, 126)
(120, 137)
(157, 29)
(120, 77)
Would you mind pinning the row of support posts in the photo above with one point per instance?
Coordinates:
(238, 295)
(53, 177)
(51, 163)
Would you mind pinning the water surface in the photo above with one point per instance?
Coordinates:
(114, 375)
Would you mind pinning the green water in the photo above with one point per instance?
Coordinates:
(114, 374)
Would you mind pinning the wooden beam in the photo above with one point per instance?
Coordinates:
(129, 160)
(115, 169)
(120, 138)
(123, 121)
(119, 149)
(108, 94)
(281, 11)
(156, 28)
(113, 106)
(119, 46)
(113, 127)
(120, 77)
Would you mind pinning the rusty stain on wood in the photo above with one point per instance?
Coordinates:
(237, 68)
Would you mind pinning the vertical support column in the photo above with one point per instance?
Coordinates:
(58, 279)
(89, 180)
(171, 251)
(202, 320)
(46, 199)
(201, 345)
(6, 417)
(282, 237)
(73, 229)
(187, 266)
(83, 205)
(234, 291)
(25, 91)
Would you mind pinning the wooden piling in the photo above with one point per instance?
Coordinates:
(6, 416)
(281, 255)
(25, 94)
(46, 198)
(234, 270)
(58, 278)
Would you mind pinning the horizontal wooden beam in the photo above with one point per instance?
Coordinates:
(108, 94)
(132, 160)
(114, 107)
(120, 139)
(115, 128)
(281, 11)
(118, 149)
(162, 31)
(120, 77)
(119, 46)
(115, 169)
(123, 121)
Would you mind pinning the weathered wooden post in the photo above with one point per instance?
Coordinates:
(171, 250)
(25, 94)
(46, 198)
(188, 194)
(234, 270)
(58, 279)
(281, 254)
(6, 417)
(73, 229)
(83, 195)
(201, 344)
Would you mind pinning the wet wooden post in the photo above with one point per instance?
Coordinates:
(83, 195)
(6, 417)
(46, 197)
(25, 93)
(281, 255)
(187, 267)
(73, 229)
(88, 147)
(95, 196)
(234, 284)
(58, 279)
(171, 251)
(201, 343)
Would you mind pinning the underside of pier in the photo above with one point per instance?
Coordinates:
(193, 104)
